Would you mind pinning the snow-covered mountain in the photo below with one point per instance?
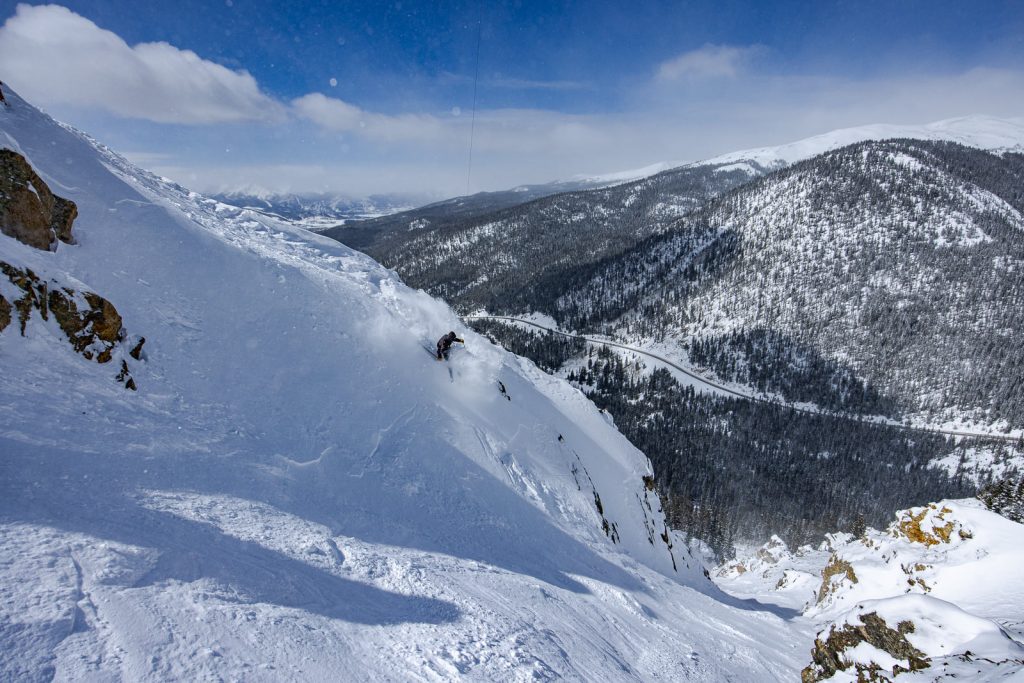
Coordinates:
(385, 234)
(513, 257)
(296, 489)
(981, 132)
(629, 175)
(897, 259)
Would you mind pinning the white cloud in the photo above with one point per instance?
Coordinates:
(336, 115)
(707, 62)
(53, 56)
(499, 130)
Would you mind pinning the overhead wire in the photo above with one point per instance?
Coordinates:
(472, 123)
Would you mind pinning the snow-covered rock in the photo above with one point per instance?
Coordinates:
(879, 640)
(775, 574)
(298, 491)
(938, 591)
(941, 549)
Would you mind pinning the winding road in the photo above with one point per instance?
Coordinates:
(732, 392)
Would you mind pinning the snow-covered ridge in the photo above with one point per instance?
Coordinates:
(298, 490)
(631, 174)
(983, 132)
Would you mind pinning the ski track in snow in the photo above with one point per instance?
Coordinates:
(294, 493)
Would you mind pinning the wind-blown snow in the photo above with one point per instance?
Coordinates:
(298, 491)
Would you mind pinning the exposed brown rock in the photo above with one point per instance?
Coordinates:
(65, 212)
(93, 330)
(29, 212)
(827, 655)
(126, 377)
(910, 526)
(834, 567)
(106, 321)
(5, 313)
(27, 282)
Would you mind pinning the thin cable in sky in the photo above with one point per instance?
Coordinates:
(472, 124)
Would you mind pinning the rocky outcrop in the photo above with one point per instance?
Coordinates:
(828, 655)
(91, 323)
(929, 525)
(833, 574)
(29, 212)
(892, 639)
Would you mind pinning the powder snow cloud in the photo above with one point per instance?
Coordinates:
(54, 56)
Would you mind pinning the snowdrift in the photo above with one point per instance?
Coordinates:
(297, 490)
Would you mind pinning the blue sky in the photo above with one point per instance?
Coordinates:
(378, 96)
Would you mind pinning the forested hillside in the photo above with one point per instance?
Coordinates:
(524, 257)
(899, 262)
(735, 470)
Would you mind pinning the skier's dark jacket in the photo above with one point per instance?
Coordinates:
(445, 343)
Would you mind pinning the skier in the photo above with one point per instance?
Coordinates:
(444, 345)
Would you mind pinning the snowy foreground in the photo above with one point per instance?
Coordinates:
(298, 491)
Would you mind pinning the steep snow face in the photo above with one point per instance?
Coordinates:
(983, 132)
(298, 490)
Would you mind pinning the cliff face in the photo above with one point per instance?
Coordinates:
(33, 215)
(29, 212)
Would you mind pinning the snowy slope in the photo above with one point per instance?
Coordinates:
(298, 492)
(983, 132)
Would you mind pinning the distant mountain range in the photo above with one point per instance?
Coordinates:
(320, 211)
